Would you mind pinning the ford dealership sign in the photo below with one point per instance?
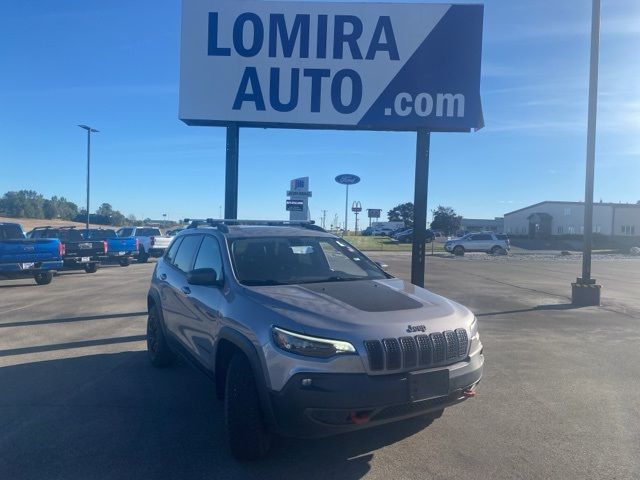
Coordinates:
(375, 66)
(348, 179)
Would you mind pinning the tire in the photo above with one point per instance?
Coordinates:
(458, 250)
(498, 250)
(125, 262)
(91, 267)
(43, 278)
(143, 256)
(158, 350)
(246, 432)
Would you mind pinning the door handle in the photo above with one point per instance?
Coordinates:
(186, 290)
(163, 276)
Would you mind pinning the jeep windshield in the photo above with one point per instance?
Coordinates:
(296, 260)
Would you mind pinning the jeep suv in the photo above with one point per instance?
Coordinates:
(304, 335)
(489, 242)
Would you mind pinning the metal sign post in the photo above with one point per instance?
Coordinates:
(347, 179)
(420, 207)
(231, 173)
(585, 292)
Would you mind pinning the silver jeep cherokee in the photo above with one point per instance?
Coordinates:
(303, 334)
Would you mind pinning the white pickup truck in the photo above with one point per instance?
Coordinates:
(150, 240)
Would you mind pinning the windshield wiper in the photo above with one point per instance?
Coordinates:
(256, 283)
(336, 278)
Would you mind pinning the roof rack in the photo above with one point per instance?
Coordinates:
(49, 227)
(224, 223)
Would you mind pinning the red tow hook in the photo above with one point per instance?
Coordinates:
(469, 393)
(359, 418)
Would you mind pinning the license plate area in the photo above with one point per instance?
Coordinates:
(27, 266)
(85, 259)
(428, 384)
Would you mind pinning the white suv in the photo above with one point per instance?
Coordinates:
(489, 242)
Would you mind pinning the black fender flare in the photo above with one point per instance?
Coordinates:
(259, 368)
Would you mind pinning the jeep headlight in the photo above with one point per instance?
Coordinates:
(310, 346)
(475, 337)
(474, 327)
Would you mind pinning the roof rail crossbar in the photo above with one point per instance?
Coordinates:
(224, 223)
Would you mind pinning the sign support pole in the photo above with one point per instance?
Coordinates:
(231, 173)
(346, 209)
(585, 292)
(423, 138)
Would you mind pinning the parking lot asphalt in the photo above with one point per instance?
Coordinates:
(559, 398)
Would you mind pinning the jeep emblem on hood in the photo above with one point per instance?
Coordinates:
(416, 328)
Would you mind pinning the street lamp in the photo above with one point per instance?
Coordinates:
(89, 132)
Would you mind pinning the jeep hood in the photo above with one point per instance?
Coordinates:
(364, 309)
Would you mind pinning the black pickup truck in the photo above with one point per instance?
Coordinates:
(78, 252)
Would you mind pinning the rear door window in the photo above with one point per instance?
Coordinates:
(10, 232)
(481, 238)
(170, 256)
(125, 232)
(186, 252)
(209, 256)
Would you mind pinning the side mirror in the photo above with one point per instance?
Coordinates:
(383, 266)
(204, 276)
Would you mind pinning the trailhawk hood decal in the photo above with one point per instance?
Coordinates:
(378, 308)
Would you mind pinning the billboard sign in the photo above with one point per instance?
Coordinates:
(356, 207)
(374, 212)
(298, 203)
(348, 179)
(295, 206)
(364, 66)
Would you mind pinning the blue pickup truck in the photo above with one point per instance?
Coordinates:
(121, 250)
(20, 256)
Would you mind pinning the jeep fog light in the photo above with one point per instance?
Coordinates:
(310, 346)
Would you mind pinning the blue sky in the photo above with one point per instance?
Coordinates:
(114, 65)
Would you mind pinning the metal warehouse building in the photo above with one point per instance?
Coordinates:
(551, 218)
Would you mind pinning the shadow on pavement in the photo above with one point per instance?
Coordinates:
(115, 416)
(66, 346)
(28, 323)
(560, 306)
(29, 283)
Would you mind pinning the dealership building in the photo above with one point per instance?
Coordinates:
(482, 224)
(551, 218)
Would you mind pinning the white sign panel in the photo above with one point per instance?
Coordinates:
(377, 66)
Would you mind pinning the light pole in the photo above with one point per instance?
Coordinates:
(89, 132)
(585, 291)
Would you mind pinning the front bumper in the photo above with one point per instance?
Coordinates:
(338, 403)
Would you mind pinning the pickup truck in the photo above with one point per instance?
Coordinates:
(151, 241)
(121, 250)
(20, 256)
(78, 252)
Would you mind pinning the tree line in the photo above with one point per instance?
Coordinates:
(31, 204)
(445, 219)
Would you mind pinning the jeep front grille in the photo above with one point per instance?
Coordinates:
(419, 351)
